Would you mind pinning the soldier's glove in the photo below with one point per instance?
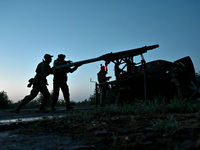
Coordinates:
(30, 82)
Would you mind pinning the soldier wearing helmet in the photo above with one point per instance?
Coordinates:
(39, 84)
(102, 84)
(60, 82)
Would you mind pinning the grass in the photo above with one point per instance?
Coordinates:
(127, 126)
(165, 126)
(65, 123)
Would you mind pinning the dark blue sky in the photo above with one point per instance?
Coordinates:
(84, 29)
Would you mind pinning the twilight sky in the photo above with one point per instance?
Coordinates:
(84, 29)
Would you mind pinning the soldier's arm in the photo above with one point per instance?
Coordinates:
(73, 69)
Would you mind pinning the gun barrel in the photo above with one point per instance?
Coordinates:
(128, 53)
(111, 56)
(78, 63)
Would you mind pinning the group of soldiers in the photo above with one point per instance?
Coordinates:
(39, 83)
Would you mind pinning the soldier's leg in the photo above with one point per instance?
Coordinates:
(27, 98)
(102, 96)
(119, 99)
(55, 95)
(65, 90)
(46, 95)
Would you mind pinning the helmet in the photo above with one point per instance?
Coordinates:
(61, 56)
(104, 68)
(47, 56)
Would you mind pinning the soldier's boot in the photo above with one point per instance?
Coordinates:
(42, 109)
(53, 104)
(42, 106)
(44, 101)
(17, 109)
(68, 107)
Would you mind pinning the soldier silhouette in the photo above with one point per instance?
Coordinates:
(60, 82)
(39, 84)
(102, 84)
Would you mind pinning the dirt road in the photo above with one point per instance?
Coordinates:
(7, 116)
(10, 138)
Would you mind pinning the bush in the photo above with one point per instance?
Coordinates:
(4, 101)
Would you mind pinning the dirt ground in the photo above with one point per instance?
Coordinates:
(144, 131)
(137, 132)
(11, 137)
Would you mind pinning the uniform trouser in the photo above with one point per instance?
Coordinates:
(103, 90)
(65, 90)
(34, 92)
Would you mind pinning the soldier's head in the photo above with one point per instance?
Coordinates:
(104, 68)
(61, 57)
(48, 57)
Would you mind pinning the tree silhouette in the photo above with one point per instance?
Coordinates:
(4, 101)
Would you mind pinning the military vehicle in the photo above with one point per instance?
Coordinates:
(147, 80)
(159, 79)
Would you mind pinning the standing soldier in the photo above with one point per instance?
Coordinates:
(60, 81)
(39, 84)
(102, 84)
